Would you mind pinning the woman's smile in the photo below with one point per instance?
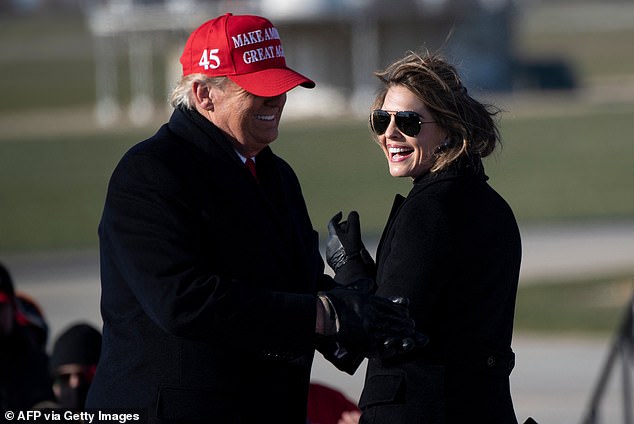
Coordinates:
(398, 153)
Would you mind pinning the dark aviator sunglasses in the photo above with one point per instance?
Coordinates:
(408, 122)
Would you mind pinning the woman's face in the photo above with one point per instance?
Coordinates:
(409, 156)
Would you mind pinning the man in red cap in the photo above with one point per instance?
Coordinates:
(213, 293)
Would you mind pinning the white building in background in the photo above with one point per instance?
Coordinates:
(337, 43)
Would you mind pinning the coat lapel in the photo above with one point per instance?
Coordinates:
(396, 206)
(269, 198)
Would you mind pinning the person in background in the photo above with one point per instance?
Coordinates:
(329, 406)
(35, 321)
(73, 363)
(214, 296)
(452, 247)
(24, 378)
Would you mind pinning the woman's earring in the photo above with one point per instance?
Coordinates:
(444, 146)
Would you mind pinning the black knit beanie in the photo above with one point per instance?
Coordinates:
(79, 344)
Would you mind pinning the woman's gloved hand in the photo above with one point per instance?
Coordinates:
(345, 252)
(371, 325)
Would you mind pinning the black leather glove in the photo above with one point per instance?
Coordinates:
(371, 325)
(397, 349)
(345, 252)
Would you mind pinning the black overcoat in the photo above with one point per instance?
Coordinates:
(453, 248)
(208, 282)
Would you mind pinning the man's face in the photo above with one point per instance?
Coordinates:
(251, 122)
(71, 384)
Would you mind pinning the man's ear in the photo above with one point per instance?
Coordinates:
(203, 95)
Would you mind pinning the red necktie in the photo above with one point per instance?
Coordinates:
(250, 164)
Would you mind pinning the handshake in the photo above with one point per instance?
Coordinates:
(360, 323)
(367, 325)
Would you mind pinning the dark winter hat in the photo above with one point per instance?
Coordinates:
(79, 344)
(7, 295)
(6, 285)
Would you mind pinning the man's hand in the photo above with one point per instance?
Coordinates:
(345, 252)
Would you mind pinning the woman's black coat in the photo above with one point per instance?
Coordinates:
(453, 248)
(208, 283)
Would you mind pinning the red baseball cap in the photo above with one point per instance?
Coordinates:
(245, 48)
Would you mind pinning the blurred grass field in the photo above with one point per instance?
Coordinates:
(565, 156)
(593, 306)
(550, 168)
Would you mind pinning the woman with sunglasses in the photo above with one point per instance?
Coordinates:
(452, 247)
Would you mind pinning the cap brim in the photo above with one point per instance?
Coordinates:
(271, 82)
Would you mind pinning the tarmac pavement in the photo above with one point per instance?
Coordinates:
(554, 376)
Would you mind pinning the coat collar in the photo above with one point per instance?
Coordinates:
(203, 134)
(272, 195)
(466, 166)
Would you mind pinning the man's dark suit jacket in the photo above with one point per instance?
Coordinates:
(208, 282)
(453, 248)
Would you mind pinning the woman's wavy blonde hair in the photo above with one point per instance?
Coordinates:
(469, 124)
